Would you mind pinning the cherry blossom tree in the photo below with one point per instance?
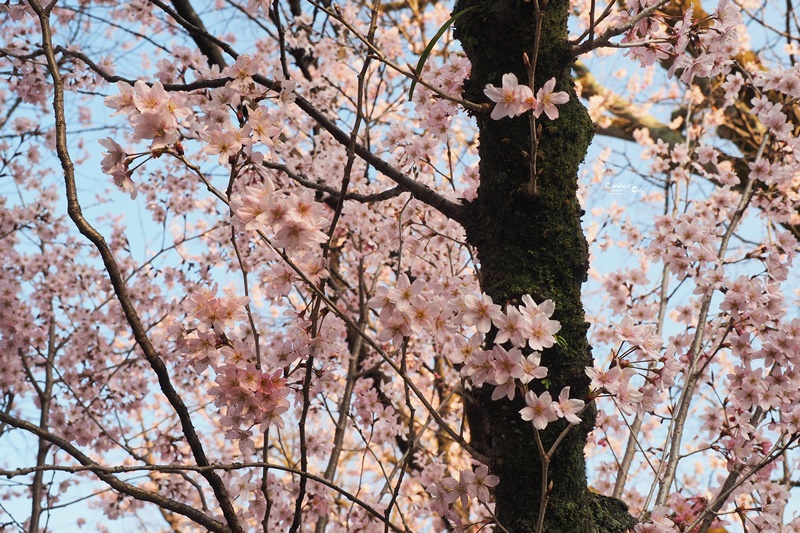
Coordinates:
(360, 267)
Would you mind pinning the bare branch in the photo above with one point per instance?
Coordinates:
(105, 475)
(627, 117)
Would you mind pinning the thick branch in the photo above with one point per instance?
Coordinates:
(177, 468)
(104, 474)
(627, 118)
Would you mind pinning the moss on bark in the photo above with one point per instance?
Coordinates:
(533, 245)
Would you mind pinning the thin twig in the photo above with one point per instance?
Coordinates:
(411, 437)
(361, 198)
(545, 486)
(729, 488)
(532, 185)
(635, 427)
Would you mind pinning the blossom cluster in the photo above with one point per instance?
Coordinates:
(677, 515)
(115, 164)
(214, 315)
(507, 369)
(513, 99)
(406, 147)
(248, 395)
(293, 222)
(470, 484)
(643, 358)
(719, 43)
(153, 112)
(166, 117)
(773, 113)
(435, 112)
(405, 311)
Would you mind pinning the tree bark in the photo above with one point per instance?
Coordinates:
(533, 244)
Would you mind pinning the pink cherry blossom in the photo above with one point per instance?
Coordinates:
(510, 326)
(568, 408)
(531, 368)
(405, 291)
(149, 99)
(609, 380)
(480, 311)
(511, 99)
(158, 126)
(541, 331)
(531, 308)
(114, 157)
(123, 101)
(540, 410)
(479, 483)
(507, 364)
(479, 368)
(465, 348)
(226, 144)
(122, 179)
(546, 100)
(456, 489)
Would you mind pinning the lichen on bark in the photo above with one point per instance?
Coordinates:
(532, 244)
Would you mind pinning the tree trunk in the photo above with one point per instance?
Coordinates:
(533, 244)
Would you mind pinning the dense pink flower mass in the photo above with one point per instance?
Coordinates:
(287, 320)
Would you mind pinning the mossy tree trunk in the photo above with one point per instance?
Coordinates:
(533, 244)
